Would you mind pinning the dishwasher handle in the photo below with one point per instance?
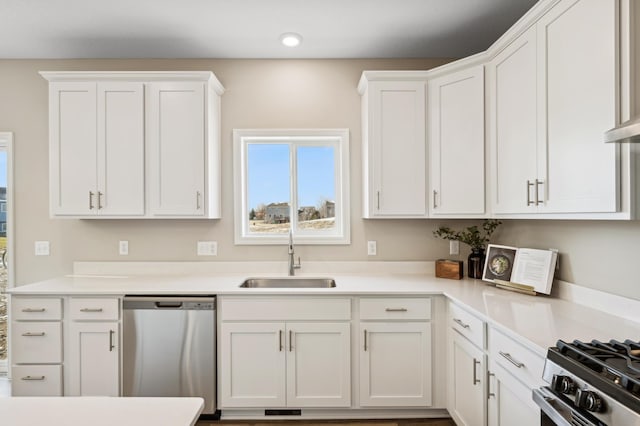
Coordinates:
(168, 305)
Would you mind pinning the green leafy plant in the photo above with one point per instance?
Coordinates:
(474, 236)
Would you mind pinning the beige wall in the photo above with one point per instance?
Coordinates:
(267, 94)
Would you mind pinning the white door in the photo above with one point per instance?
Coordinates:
(120, 149)
(252, 362)
(456, 141)
(578, 98)
(73, 153)
(466, 396)
(395, 364)
(318, 365)
(510, 401)
(177, 148)
(94, 359)
(512, 122)
(398, 144)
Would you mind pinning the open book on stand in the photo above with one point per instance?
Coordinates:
(523, 270)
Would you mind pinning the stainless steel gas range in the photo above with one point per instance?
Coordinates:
(595, 383)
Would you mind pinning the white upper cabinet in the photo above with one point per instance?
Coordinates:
(394, 145)
(456, 142)
(512, 126)
(577, 60)
(134, 144)
(552, 95)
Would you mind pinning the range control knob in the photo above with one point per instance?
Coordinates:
(563, 384)
(590, 401)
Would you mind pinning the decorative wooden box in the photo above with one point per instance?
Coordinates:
(452, 269)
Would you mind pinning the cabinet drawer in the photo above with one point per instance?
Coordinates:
(84, 308)
(36, 308)
(36, 342)
(466, 324)
(521, 362)
(36, 380)
(281, 308)
(395, 308)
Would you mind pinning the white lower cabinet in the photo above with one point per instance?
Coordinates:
(93, 354)
(509, 401)
(284, 352)
(285, 364)
(466, 371)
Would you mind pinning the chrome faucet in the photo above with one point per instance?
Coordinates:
(292, 263)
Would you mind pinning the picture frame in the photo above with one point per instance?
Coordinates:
(499, 263)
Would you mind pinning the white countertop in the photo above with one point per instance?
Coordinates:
(99, 411)
(536, 321)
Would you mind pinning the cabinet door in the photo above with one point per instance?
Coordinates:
(456, 141)
(177, 148)
(120, 149)
(578, 98)
(395, 364)
(94, 359)
(73, 154)
(513, 126)
(318, 365)
(396, 163)
(466, 380)
(252, 362)
(509, 401)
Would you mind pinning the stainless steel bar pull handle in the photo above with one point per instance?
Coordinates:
(475, 372)
(290, 340)
(490, 394)
(280, 346)
(91, 200)
(365, 340)
(509, 358)
(529, 185)
(198, 196)
(33, 310)
(538, 183)
(100, 194)
(435, 193)
(91, 310)
(395, 309)
(32, 378)
(111, 345)
(32, 334)
(378, 202)
(460, 323)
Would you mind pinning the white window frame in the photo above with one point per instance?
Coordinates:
(339, 138)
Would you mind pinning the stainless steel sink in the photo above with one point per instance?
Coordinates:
(288, 282)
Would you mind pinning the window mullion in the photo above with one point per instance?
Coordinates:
(293, 173)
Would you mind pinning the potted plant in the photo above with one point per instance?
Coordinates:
(476, 238)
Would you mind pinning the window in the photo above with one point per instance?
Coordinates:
(294, 180)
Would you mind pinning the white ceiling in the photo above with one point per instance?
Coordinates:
(251, 28)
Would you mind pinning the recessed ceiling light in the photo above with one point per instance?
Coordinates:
(291, 39)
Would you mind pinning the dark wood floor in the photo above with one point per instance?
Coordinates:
(389, 422)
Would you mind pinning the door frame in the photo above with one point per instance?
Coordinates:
(6, 143)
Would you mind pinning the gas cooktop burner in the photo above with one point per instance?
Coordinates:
(613, 366)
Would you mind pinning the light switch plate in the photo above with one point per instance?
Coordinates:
(123, 248)
(42, 248)
(454, 247)
(207, 248)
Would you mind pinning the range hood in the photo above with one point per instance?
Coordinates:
(629, 131)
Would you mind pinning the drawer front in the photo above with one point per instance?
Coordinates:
(87, 309)
(36, 342)
(36, 308)
(36, 380)
(467, 324)
(521, 362)
(281, 308)
(395, 308)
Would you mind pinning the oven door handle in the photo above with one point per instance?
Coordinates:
(545, 401)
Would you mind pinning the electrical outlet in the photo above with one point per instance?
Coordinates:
(454, 247)
(123, 248)
(42, 248)
(372, 248)
(207, 248)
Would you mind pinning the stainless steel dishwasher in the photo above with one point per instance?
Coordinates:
(169, 347)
